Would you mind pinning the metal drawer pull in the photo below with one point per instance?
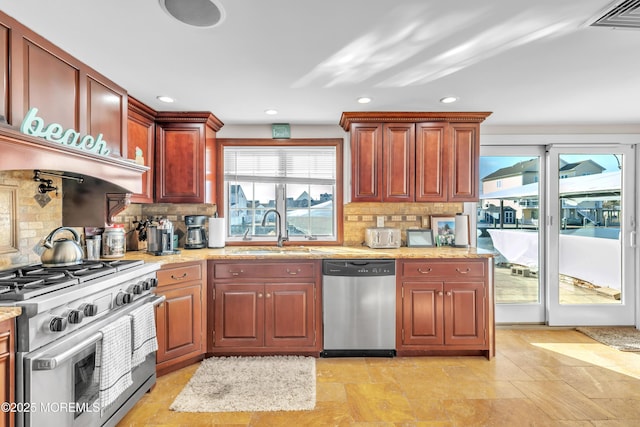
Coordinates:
(184, 275)
(236, 273)
(463, 272)
(293, 273)
(420, 270)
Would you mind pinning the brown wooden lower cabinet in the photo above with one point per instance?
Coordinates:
(265, 308)
(181, 318)
(445, 306)
(7, 354)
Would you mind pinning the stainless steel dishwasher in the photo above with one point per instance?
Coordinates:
(359, 307)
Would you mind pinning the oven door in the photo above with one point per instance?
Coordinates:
(61, 381)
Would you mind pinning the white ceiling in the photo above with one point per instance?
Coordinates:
(532, 63)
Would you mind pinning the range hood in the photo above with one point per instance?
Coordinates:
(107, 181)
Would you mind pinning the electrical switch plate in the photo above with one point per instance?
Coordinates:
(380, 221)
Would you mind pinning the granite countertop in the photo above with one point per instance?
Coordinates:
(7, 313)
(307, 252)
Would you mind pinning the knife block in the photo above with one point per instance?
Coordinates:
(133, 243)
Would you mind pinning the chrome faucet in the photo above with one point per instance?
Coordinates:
(281, 239)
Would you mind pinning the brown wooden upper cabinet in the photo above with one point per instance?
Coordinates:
(141, 135)
(406, 157)
(185, 157)
(36, 73)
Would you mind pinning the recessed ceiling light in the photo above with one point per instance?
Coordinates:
(448, 99)
(164, 98)
(271, 112)
(364, 100)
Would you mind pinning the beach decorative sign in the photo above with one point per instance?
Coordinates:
(54, 132)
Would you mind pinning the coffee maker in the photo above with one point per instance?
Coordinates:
(196, 235)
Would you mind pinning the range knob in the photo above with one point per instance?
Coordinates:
(57, 324)
(123, 298)
(75, 316)
(136, 289)
(89, 310)
(149, 283)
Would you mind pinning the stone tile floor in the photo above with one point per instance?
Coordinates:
(539, 377)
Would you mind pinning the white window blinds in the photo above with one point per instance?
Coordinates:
(300, 165)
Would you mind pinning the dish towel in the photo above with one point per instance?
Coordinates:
(143, 323)
(113, 360)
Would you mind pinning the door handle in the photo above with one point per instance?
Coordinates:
(632, 239)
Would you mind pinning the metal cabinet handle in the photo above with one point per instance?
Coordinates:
(184, 275)
(439, 293)
(420, 270)
(268, 295)
(236, 273)
(448, 293)
(259, 294)
(293, 273)
(463, 272)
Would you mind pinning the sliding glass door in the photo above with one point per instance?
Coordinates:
(591, 236)
(509, 223)
(560, 220)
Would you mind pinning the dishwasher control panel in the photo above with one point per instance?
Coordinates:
(356, 267)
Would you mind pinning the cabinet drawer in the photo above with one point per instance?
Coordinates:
(448, 270)
(182, 273)
(265, 270)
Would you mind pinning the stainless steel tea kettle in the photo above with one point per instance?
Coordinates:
(61, 252)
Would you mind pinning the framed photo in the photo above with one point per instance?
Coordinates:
(420, 238)
(443, 227)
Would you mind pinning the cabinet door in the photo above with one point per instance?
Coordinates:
(179, 167)
(141, 135)
(398, 162)
(52, 85)
(289, 315)
(464, 314)
(463, 162)
(366, 162)
(431, 177)
(239, 315)
(107, 113)
(422, 313)
(4, 72)
(6, 369)
(179, 322)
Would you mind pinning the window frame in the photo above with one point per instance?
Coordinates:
(338, 143)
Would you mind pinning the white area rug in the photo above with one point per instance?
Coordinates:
(235, 384)
(625, 338)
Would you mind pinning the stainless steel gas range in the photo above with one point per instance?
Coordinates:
(72, 334)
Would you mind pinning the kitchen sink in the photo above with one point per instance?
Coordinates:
(275, 251)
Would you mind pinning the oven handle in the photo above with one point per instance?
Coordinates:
(49, 363)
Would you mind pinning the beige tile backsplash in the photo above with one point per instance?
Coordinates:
(34, 222)
(360, 216)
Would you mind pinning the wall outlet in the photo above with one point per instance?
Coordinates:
(380, 221)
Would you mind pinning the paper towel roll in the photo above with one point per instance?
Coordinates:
(217, 233)
(461, 232)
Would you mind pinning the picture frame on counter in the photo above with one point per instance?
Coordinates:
(420, 238)
(443, 228)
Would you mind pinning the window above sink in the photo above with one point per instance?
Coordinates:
(300, 179)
